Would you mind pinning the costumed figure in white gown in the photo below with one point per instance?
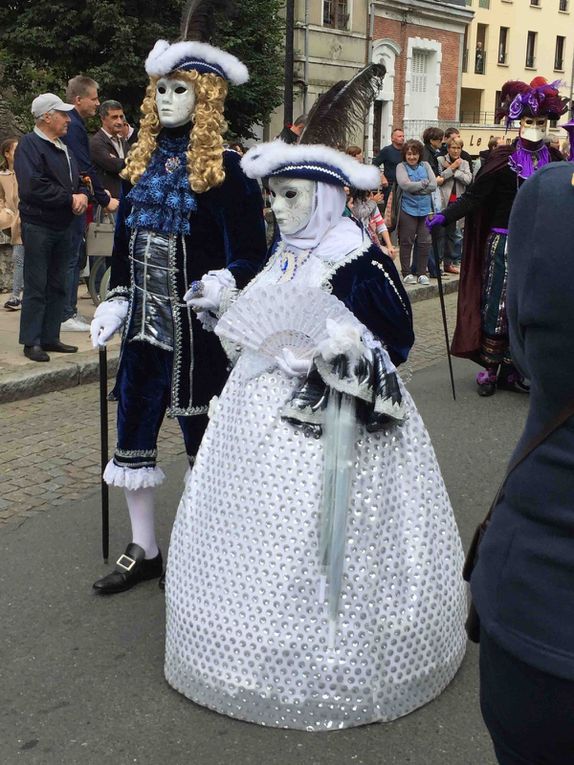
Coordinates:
(314, 573)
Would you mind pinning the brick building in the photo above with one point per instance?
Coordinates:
(421, 43)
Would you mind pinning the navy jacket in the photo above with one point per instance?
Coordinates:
(76, 139)
(523, 585)
(227, 231)
(44, 182)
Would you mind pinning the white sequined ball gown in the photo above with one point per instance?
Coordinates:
(247, 624)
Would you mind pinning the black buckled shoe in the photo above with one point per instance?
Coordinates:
(131, 569)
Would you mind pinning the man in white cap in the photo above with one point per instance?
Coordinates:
(51, 195)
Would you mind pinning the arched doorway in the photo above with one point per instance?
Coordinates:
(380, 125)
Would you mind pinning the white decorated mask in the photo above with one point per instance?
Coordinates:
(175, 100)
(293, 202)
(533, 129)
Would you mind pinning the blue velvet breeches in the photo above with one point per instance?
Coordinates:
(143, 391)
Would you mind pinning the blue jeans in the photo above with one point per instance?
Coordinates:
(450, 238)
(73, 271)
(48, 252)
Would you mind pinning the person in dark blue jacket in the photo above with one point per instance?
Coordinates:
(523, 585)
(82, 93)
(52, 196)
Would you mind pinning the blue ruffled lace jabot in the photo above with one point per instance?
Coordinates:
(162, 199)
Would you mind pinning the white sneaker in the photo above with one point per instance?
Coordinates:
(410, 279)
(424, 280)
(74, 324)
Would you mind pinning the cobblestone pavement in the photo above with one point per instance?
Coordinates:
(51, 442)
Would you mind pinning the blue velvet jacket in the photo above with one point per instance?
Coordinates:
(371, 288)
(226, 231)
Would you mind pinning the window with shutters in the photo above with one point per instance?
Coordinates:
(422, 81)
(420, 65)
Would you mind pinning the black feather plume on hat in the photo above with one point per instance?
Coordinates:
(198, 18)
(335, 116)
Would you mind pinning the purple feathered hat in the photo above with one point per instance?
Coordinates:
(539, 99)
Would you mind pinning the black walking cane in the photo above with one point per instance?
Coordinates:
(442, 305)
(104, 450)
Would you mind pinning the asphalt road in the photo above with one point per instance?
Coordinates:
(81, 677)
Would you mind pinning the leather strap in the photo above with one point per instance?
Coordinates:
(563, 415)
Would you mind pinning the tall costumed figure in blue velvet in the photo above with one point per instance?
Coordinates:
(187, 211)
(313, 578)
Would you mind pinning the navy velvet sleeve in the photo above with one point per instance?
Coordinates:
(120, 276)
(240, 212)
(371, 288)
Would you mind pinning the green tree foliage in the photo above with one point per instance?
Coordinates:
(256, 37)
(43, 44)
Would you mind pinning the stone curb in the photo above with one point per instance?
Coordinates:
(20, 382)
(17, 382)
(417, 292)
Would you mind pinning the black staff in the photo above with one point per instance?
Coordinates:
(104, 450)
(442, 305)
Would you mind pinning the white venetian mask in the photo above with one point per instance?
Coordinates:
(533, 128)
(293, 202)
(175, 100)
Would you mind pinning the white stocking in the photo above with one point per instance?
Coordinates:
(141, 509)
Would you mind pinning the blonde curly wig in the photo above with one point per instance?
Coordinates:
(205, 149)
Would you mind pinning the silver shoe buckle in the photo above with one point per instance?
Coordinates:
(130, 562)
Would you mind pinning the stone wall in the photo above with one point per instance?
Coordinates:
(6, 268)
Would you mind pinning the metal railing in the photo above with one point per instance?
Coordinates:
(478, 117)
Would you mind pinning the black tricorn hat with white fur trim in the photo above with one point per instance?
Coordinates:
(193, 50)
(332, 120)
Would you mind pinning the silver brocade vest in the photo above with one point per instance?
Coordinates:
(152, 274)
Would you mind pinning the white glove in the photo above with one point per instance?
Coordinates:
(291, 365)
(206, 294)
(108, 319)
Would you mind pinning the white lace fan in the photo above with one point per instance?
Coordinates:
(281, 316)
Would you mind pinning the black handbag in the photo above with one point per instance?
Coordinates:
(472, 624)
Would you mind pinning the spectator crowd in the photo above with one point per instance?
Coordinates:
(54, 180)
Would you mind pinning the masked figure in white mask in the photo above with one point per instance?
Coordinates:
(188, 210)
(313, 579)
(482, 329)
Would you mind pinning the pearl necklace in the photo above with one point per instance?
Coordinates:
(290, 262)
